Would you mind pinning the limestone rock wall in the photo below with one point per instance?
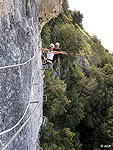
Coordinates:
(19, 42)
(48, 9)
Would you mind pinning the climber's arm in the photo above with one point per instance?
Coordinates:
(44, 49)
(62, 52)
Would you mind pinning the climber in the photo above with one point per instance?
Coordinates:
(50, 55)
(55, 58)
(43, 57)
(43, 60)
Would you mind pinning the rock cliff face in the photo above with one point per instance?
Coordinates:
(48, 9)
(19, 42)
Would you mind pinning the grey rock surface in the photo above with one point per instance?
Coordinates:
(20, 41)
(83, 62)
(48, 9)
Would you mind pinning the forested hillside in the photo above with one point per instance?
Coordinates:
(80, 97)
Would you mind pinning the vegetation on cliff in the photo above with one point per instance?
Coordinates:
(80, 100)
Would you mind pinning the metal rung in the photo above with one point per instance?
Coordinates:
(35, 84)
(44, 86)
(41, 69)
(34, 102)
(45, 98)
(41, 148)
(45, 120)
(39, 135)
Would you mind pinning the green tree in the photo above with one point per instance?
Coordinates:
(65, 6)
(80, 101)
(57, 102)
(70, 39)
(77, 18)
(45, 34)
(54, 139)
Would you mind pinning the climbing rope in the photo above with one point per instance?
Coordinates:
(19, 130)
(6, 131)
(9, 130)
(16, 65)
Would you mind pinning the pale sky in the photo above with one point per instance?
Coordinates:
(98, 18)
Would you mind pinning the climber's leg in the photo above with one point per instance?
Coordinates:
(43, 59)
(45, 66)
(50, 66)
